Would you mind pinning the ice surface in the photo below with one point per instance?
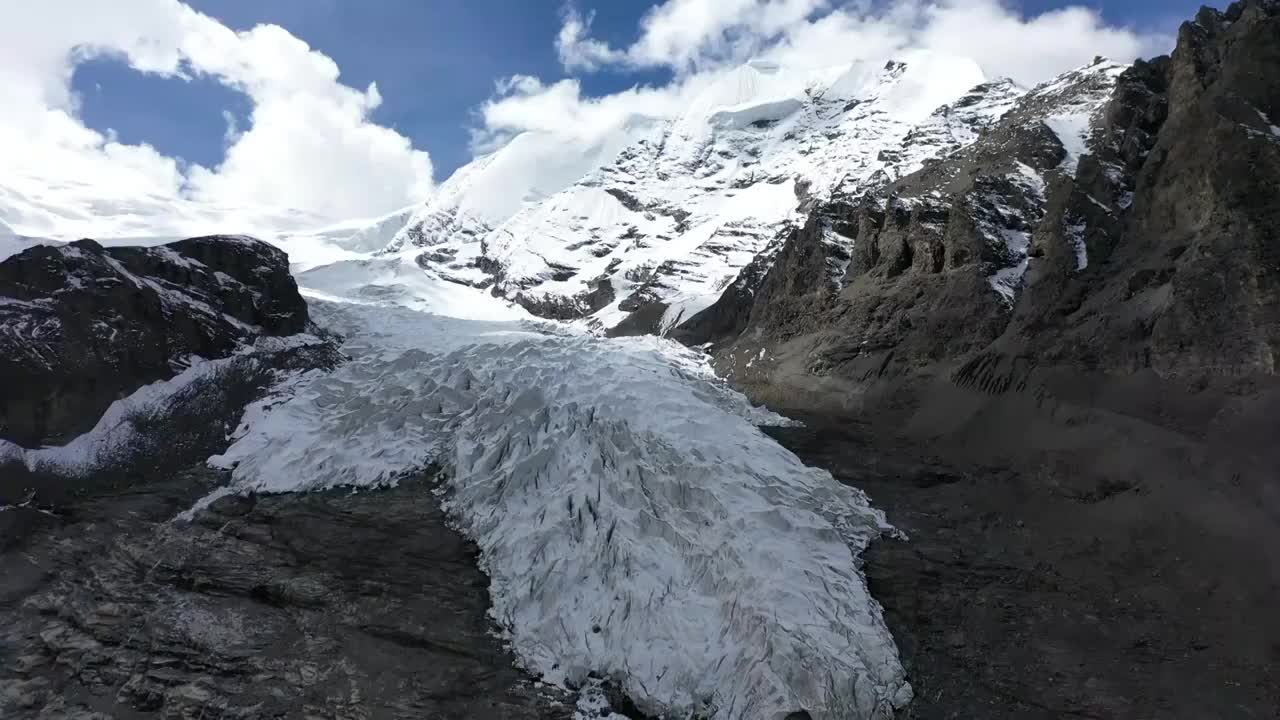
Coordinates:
(397, 279)
(634, 521)
(741, 118)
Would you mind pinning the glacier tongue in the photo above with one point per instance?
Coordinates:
(635, 523)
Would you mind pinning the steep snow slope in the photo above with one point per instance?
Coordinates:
(313, 248)
(635, 523)
(681, 209)
(486, 192)
(398, 279)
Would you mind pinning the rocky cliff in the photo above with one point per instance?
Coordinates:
(121, 363)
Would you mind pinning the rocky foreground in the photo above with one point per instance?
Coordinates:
(1018, 596)
(324, 605)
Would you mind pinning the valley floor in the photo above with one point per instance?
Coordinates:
(318, 605)
(1013, 600)
(1008, 600)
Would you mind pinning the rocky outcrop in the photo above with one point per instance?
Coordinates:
(82, 325)
(162, 428)
(1178, 211)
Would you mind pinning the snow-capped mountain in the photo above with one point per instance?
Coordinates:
(668, 212)
(645, 227)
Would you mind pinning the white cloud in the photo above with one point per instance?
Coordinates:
(577, 50)
(700, 39)
(1030, 50)
(687, 34)
(309, 151)
(691, 35)
(525, 103)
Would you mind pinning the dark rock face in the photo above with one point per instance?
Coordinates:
(1187, 283)
(565, 308)
(901, 277)
(84, 325)
(325, 605)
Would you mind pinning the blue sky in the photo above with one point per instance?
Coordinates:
(435, 62)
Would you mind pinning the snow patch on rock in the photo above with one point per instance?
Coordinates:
(116, 432)
(1073, 132)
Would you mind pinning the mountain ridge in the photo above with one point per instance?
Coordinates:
(675, 214)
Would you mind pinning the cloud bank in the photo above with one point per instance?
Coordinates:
(309, 151)
(699, 39)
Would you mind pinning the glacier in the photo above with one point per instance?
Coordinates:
(634, 521)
